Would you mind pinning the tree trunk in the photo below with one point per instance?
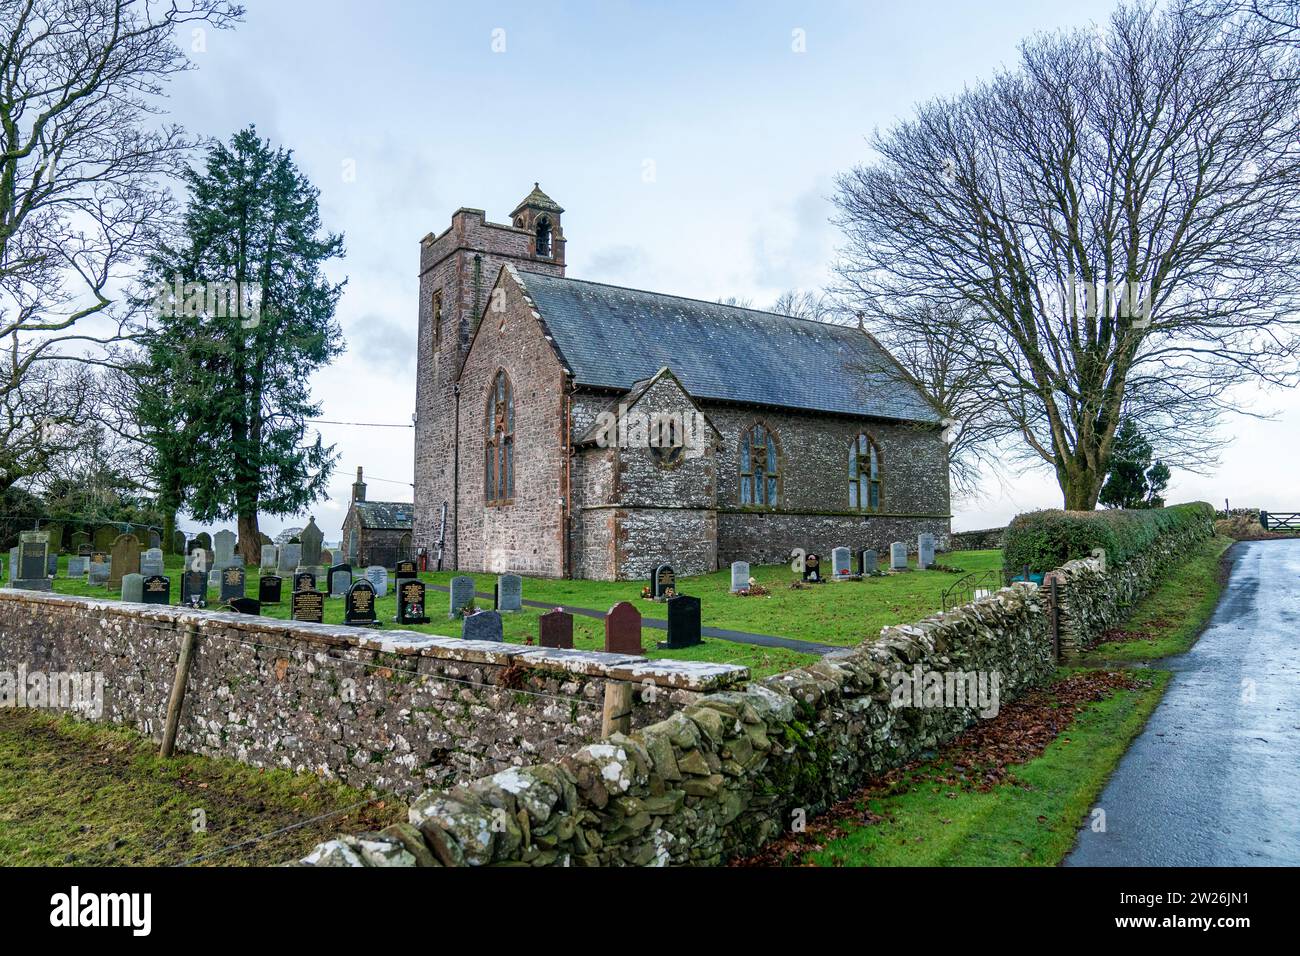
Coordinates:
(250, 544)
(168, 530)
(1081, 489)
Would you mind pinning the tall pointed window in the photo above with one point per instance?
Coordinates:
(760, 467)
(499, 455)
(864, 474)
(435, 313)
(544, 237)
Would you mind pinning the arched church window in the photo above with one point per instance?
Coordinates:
(544, 237)
(499, 455)
(864, 474)
(435, 313)
(760, 467)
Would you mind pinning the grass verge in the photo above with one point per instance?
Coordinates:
(80, 794)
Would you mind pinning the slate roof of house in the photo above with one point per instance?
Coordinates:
(612, 337)
(385, 515)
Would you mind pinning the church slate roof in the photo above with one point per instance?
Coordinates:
(613, 337)
(385, 515)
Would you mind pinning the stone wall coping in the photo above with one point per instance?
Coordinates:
(663, 672)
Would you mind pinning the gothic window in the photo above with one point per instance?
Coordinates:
(667, 442)
(760, 467)
(435, 311)
(544, 237)
(864, 474)
(499, 465)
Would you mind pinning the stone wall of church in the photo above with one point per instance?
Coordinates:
(461, 265)
(526, 535)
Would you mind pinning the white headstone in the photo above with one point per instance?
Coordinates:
(377, 575)
(841, 564)
(924, 550)
(270, 556)
(223, 543)
(898, 556)
(739, 575)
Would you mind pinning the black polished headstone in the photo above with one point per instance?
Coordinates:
(812, 568)
(405, 569)
(232, 584)
(410, 602)
(683, 622)
(304, 581)
(662, 579)
(194, 589)
(245, 605)
(270, 588)
(359, 605)
(308, 606)
(157, 589)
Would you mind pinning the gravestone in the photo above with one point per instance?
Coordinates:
(812, 568)
(739, 575)
(13, 565)
(97, 572)
(868, 561)
(898, 556)
(311, 539)
(85, 550)
(841, 565)
(290, 559)
(339, 580)
(304, 581)
(157, 589)
(133, 588)
(270, 588)
(483, 626)
(223, 542)
(105, 535)
(33, 557)
(77, 567)
(202, 540)
(214, 578)
(461, 594)
(509, 592)
(178, 541)
(359, 605)
(126, 559)
(623, 629)
(155, 539)
(683, 622)
(245, 605)
(377, 575)
(194, 589)
(555, 629)
(327, 558)
(151, 562)
(406, 569)
(308, 606)
(79, 541)
(662, 580)
(52, 565)
(233, 583)
(410, 602)
(270, 558)
(924, 550)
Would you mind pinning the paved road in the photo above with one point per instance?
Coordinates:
(1214, 779)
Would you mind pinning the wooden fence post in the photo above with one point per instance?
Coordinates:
(617, 715)
(178, 689)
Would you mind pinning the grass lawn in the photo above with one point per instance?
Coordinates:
(1031, 820)
(843, 613)
(1171, 618)
(79, 794)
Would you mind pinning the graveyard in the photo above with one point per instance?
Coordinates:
(840, 613)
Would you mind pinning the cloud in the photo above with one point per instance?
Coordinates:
(383, 342)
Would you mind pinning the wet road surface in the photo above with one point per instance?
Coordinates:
(1214, 779)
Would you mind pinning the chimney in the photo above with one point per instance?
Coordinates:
(358, 489)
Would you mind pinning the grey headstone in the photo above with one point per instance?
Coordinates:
(13, 565)
(151, 562)
(925, 550)
(377, 575)
(483, 626)
(97, 576)
(270, 556)
(898, 556)
(52, 565)
(133, 588)
(214, 578)
(33, 552)
(510, 592)
(311, 539)
(461, 594)
(739, 575)
(77, 566)
(340, 579)
(869, 561)
(841, 564)
(223, 543)
(290, 558)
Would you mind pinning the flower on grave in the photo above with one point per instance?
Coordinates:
(645, 593)
(752, 582)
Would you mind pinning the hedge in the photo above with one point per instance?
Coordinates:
(1045, 540)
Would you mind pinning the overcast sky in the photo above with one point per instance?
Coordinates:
(692, 147)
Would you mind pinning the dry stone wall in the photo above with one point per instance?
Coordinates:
(396, 710)
(731, 770)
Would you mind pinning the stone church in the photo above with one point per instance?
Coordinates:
(567, 428)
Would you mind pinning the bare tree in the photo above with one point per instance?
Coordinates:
(43, 422)
(807, 304)
(1116, 223)
(82, 163)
